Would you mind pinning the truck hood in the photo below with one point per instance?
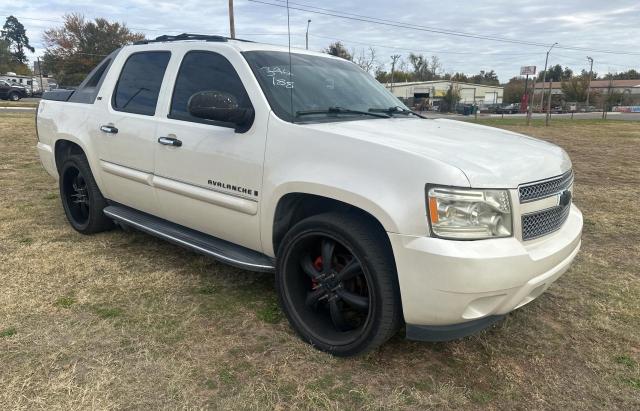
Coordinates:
(489, 157)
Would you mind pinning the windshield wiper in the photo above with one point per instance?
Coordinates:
(340, 110)
(396, 110)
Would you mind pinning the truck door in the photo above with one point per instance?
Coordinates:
(208, 176)
(126, 134)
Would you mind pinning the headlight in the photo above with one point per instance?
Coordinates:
(469, 214)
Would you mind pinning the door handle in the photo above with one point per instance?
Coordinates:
(170, 141)
(109, 129)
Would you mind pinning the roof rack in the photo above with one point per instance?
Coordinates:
(187, 36)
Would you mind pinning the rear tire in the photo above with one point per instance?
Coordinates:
(349, 303)
(82, 200)
(14, 96)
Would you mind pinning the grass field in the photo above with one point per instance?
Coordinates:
(20, 103)
(122, 320)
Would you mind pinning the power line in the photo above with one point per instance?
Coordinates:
(422, 51)
(392, 23)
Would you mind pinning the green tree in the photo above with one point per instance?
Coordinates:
(5, 56)
(14, 33)
(627, 75)
(585, 73)
(489, 78)
(567, 73)
(450, 99)
(514, 90)
(339, 50)
(8, 62)
(554, 73)
(575, 89)
(79, 45)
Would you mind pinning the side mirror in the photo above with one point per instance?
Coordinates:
(220, 106)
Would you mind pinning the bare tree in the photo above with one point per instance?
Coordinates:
(367, 59)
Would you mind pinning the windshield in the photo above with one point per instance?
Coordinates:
(317, 84)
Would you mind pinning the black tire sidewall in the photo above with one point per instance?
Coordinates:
(97, 221)
(377, 270)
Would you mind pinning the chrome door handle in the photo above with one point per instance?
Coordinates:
(109, 129)
(170, 141)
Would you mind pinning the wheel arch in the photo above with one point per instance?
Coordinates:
(64, 148)
(294, 206)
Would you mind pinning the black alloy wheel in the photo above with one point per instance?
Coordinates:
(334, 294)
(81, 198)
(76, 196)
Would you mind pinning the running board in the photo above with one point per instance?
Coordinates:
(221, 250)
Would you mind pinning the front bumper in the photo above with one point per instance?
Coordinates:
(449, 283)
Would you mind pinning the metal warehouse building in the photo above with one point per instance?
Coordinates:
(433, 91)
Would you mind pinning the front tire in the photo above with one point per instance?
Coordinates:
(82, 200)
(14, 97)
(337, 284)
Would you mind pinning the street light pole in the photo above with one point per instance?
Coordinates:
(307, 36)
(590, 76)
(544, 75)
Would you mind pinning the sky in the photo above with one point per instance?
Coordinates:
(595, 25)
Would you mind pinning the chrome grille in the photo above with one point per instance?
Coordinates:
(543, 222)
(537, 190)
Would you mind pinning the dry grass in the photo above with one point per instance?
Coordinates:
(122, 320)
(22, 103)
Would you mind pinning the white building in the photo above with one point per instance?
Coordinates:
(433, 91)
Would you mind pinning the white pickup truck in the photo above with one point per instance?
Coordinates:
(371, 216)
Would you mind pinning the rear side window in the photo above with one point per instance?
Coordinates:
(140, 81)
(205, 71)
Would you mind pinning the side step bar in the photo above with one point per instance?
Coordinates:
(221, 250)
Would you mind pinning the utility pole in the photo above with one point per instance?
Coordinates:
(394, 58)
(548, 116)
(533, 94)
(307, 35)
(40, 73)
(590, 76)
(544, 75)
(232, 24)
(475, 107)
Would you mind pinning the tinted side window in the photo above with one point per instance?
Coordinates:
(205, 71)
(139, 83)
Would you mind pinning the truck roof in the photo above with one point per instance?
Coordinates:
(238, 44)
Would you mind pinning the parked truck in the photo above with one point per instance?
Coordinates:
(371, 216)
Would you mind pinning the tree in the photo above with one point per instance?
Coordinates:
(585, 73)
(575, 89)
(366, 59)
(450, 99)
(567, 73)
(423, 68)
(5, 56)
(339, 50)
(513, 90)
(489, 78)
(8, 63)
(556, 73)
(461, 77)
(79, 45)
(627, 75)
(13, 32)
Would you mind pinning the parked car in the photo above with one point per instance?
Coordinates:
(11, 91)
(370, 215)
(509, 109)
(554, 110)
(491, 108)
